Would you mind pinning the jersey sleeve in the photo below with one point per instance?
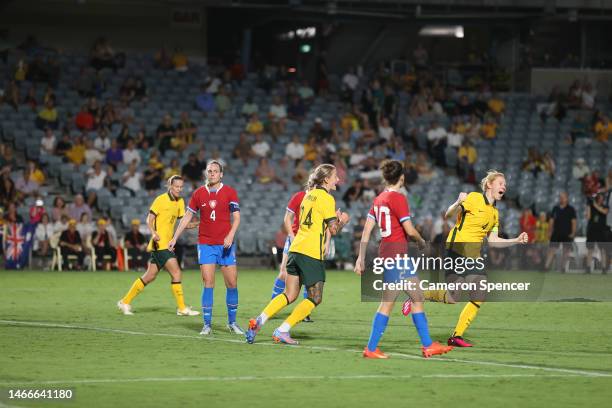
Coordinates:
(181, 210)
(401, 208)
(156, 207)
(469, 205)
(329, 209)
(234, 204)
(294, 203)
(194, 203)
(372, 213)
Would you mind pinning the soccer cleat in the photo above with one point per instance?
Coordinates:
(307, 319)
(374, 354)
(254, 326)
(407, 307)
(235, 329)
(458, 341)
(187, 311)
(125, 308)
(283, 337)
(206, 330)
(434, 349)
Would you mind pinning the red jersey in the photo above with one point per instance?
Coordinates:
(293, 206)
(215, 208)
(389, 210)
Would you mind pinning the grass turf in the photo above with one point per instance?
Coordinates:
(60, 330)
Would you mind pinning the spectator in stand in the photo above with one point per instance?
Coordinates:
(163, 59)
(489, 129)
(466, 158)
(174, 169)
(25, 185)
(580, 169)
(350, 82)
(223, 103)
(153, 176)
(111, 183)
(294, 149)
(534, 163)
(85, 227)
(423, 167)
(131, 178)
(104, 246)
(76, 154)
(102, 142)
(602, 129)
(179, 60)
(597, 230)
(480, 106)
(37, 211)
(385, 130)
(127, 92)
(563, 230)
(296, 110)
(165, 134)
(548, 164)
(277, 116)
(42, 236)
(47, 143)
(71, 244)
(96, 177)
(78, 207)
(202, 161)
(140, 90)
(588, 96)
(542, 229)
(300, 175)
(455, 137)
(436, 138)
(249, 108)
(265, 173)
(92, 154)
(592, 184)
(496, 105)
(136, 245)
(260, 147)
(84, 120)
(579, 129)
(528, 223)
(103, 56)
(114, 155)
(47, 116)
(61, 225)
(243, 149)
(353, 193)
(30, 98)
(131, 154)
(306, 92)
(59, 209)
(205, 101)
(465, 107)
(192, 171)
(36, 174)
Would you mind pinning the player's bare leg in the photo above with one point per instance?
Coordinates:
(138, 286)
(174, 270)
(208, 278)
(230, 276)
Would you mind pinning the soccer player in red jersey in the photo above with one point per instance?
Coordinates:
(219, 210)
(391, 212)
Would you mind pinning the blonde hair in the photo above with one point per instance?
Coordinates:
(491, 175)
(172, 179)
(318, 175)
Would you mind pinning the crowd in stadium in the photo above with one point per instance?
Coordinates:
(372, 127)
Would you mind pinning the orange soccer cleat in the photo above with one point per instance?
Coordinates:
(374, 354)
(434, 349)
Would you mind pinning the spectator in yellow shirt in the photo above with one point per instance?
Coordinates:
(496, 105)
(179, 60)
(254, 126)
(47, 116)
(603, 128)
(467, 156)
(76, 154)
(489, 129)
(541, 229)
(36, 173)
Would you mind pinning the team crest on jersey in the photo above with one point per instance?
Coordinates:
(212, 203)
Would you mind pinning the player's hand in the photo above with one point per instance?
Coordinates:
(421, 244)
(227, 242)
(156, 237)
(343, 217)
(171, 244)
(359, 266)
(462, 197)
(523, 238)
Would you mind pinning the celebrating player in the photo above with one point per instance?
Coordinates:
(164, 212)
(391, 212)
(305, 260)
(218, 205)
(477, 219)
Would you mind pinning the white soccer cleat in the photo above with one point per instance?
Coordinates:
(125, 308)
(235, 329)
(206, 330)
(187, 311)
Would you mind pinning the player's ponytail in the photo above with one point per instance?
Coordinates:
(318, 175)
(392, 171)
(491, 175)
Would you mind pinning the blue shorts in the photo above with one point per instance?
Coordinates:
(216, 254)
(396, 275)
(287, 245)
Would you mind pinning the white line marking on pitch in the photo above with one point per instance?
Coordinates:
(283, 378)
(584, 373)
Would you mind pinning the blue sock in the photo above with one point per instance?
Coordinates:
(207, 304)
(231, 299)
(420, 322)
(279, 287)
(379, 324)
(305, 292)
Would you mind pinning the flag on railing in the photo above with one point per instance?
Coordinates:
(18, 240)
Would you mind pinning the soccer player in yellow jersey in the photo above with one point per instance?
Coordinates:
(305, 265)
(165, 211)
(477, 219)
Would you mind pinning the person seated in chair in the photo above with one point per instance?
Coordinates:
(104, 246)
(71, 245)
(136, 245)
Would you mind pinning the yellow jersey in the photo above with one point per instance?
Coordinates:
(167, 210)
(476, 220)
(317, 210)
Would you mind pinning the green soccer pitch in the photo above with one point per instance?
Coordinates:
(63, 330)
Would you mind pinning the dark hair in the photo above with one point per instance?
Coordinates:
(392, 170)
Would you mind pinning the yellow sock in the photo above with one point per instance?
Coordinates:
(177, 290)
(438, 295)
(468, 314)
(300, 312)
(276, 305)
(137, 287)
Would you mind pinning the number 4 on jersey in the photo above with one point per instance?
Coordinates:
(212, 215)
(308, 219)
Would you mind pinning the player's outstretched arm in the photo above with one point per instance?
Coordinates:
(179, 230)
(229, 239)
(497, 242)
(454, 207)
(363, 244)
(413, 234)
(288, 222)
